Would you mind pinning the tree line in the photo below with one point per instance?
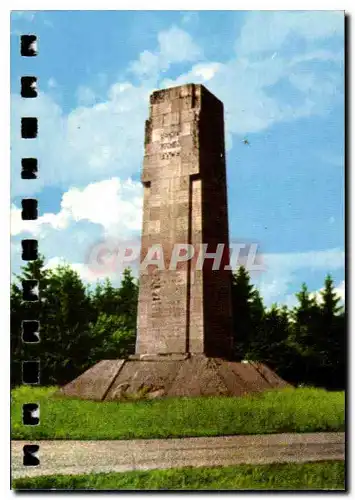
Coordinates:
(80, 325)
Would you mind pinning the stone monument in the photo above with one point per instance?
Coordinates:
(182, 309)
(184, 329)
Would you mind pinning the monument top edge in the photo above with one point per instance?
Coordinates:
(198, 89)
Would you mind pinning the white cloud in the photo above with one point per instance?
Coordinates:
(317, 55)
(175, 46)
(86, 96)
(34, 227)
(339, 290)
(324, 259)
(269, 31)
(102, 139)
(247, 81)
(84, 271)
(291, 300)
(91, 219)
(206, 70)
(92, 142)
(113, 204)
(281, 271)
(244, 87)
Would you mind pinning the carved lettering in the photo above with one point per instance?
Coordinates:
(169, 135)
(170, 145)
(156, 286)
(169, 154)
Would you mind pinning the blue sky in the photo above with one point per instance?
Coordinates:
(280, 75)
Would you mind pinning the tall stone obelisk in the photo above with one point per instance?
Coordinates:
(184, 337)
(183, 309)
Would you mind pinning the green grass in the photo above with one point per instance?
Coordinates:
(309, 476)
(289, 410)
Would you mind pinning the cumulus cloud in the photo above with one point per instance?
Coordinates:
(281, 269)
(86, 96)
(84, 271)
(269, 31)
(93, 141)
(339, 290)
(114, 204)
(90, 143)
(247, 83)
(174, 46)
(93, 218)
(101, 140)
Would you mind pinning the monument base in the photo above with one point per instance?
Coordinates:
(157, 376)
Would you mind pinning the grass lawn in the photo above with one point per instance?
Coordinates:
(309, 476)
(288, 410)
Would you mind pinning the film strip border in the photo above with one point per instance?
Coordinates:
(30, 287)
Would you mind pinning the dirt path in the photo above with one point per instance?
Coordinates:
(81, 457)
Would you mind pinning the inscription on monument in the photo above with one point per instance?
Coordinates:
(184, 312)
(169, 145)
(156, 288)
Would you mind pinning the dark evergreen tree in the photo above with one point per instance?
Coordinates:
(272, 334)
(66, 339)
(104, 299)
(248, 312)
(128, 300)
(114, 328)
(305, 316)
(331, 336)
(80, 326)
(23, 310)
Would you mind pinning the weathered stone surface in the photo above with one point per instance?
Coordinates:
(185, 201)
(170, 376)
(184, 327)
(95, 382)
(269, 375)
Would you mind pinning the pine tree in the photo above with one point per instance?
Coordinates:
(66, 336)
(22, 310)
(331, 333)
(114, 339)
(128, 299)
(248, 311)
(270, 344)
(305, 317)
(105, 299)
(63, 312)
(114, 327)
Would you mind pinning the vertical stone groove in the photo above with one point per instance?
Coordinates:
(185, 204)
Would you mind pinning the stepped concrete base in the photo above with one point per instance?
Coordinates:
(156, 376)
